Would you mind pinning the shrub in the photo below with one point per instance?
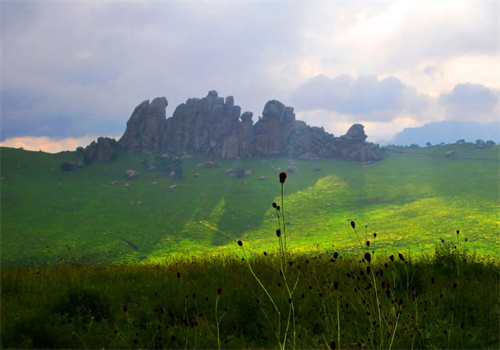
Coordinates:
(66, 166)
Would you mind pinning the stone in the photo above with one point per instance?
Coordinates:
(208, 165)
(131, 174)
(291, 169)
(308, 156)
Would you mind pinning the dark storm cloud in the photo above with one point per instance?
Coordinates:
(86, 65)
(364, 98)
(470, 102)
(91, 60)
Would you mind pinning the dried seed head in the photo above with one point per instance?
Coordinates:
(392, 257)
(375, 234)
(368, 257)
(219, 291)
(335, 255)
(282, 177)
(178, 275)
(278, 232)
(274, 205)
(368, 243)
(240, 243)
(353, 224)
(401, 257)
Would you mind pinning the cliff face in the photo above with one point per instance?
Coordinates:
(214, 126)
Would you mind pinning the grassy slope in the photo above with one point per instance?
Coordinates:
(410, 201)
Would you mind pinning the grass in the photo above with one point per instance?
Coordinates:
(357, 289)
(423, 303)
(49, 215)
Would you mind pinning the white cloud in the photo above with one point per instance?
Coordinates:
(76, 68)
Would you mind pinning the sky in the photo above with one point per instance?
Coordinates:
(72, 71)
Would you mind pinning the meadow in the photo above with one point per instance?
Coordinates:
(402, 253)
(413, 202)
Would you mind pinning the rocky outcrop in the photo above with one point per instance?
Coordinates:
(214, 126)
(143, 133)
(352, 146)
(103, 150)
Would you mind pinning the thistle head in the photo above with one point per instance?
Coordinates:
(282, 177)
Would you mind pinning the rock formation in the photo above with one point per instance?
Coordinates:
(143, 133)
(214, 126)
(103, 150)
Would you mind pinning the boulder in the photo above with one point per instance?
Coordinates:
(308, 156)
(131, 174)
(291, 169)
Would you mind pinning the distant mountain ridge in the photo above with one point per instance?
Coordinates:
(447, 132)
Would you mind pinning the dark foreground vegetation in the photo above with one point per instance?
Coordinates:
(448, 300)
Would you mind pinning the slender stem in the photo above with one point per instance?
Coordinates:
(338, 322)
(361, 244)
(283, 219)
(217, 321)
(258, 280)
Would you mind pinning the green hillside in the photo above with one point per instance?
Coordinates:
(410, 201)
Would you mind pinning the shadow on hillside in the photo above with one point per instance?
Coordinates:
(246, 206)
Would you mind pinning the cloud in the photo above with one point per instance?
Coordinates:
(76, 68)
(47, 144)
(470, 102)
(365, 97)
